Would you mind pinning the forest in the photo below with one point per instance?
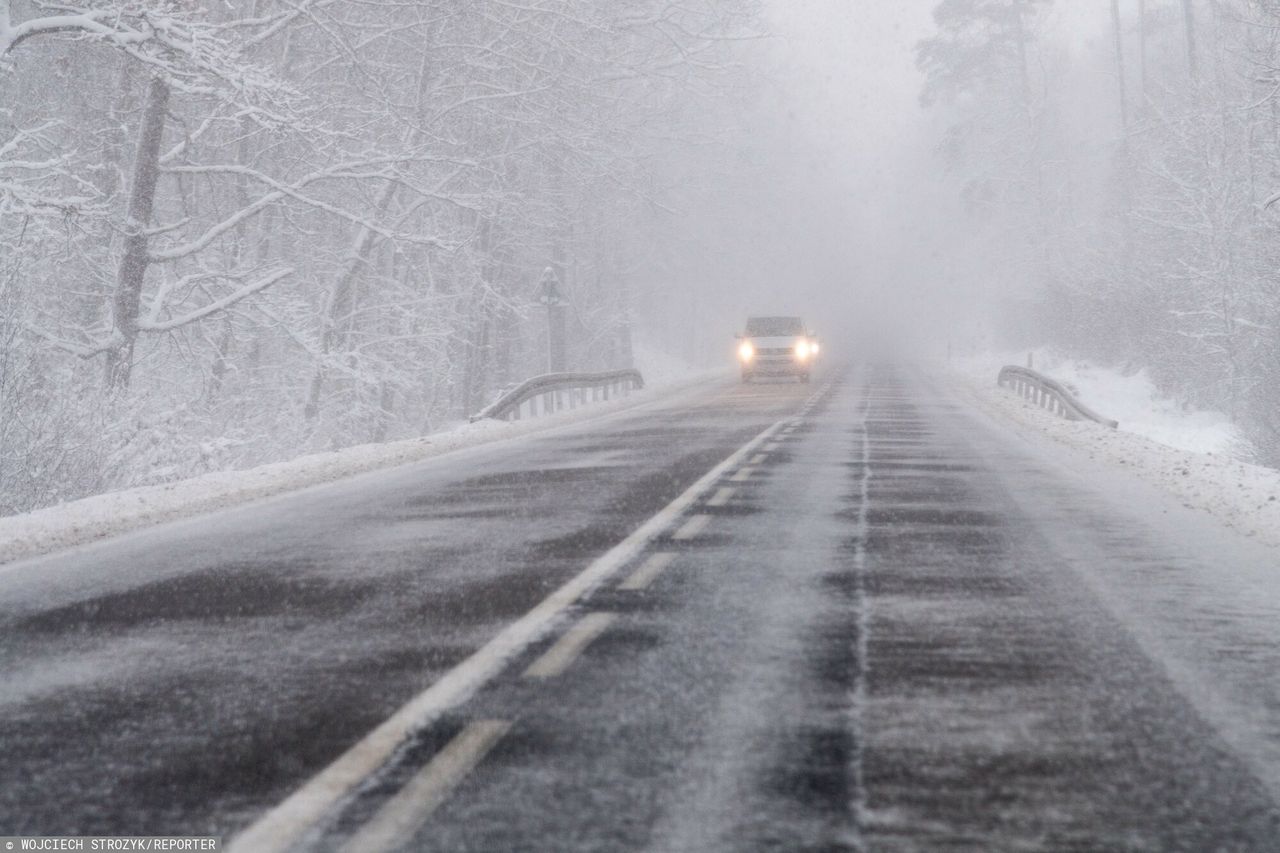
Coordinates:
(237, 232)
(1119, 163)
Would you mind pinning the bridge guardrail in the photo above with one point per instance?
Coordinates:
(559, 391)
(1049, 394)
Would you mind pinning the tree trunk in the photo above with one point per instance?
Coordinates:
(1124, 100)
(626, 350)
(386, 411)
(1142, 53)
(1024, 73)
(221, 360)
(476, 369)
(341, 302)
(1036, 164)
(127, 299)
(1189, 21)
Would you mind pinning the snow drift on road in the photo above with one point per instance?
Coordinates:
(89, 519)
(1188, 454)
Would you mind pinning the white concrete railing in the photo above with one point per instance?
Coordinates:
(1049, 394)
(558, 391)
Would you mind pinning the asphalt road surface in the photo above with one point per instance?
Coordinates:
(842, 616)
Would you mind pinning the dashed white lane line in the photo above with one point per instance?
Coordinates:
(648, 571)
(758, 458)
(722, 496)
(771, 446)
(743, 475)
(561, 656)
(405, 813)
(691, 528)
(282, 827)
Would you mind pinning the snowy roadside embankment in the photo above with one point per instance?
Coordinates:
(1192, 461)
(89, 519)
(1131, 399)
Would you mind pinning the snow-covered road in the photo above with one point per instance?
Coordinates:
(894, 621)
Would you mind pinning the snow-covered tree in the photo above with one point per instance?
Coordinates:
(233, 232)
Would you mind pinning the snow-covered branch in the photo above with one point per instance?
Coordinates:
(152, 324)
(195, 57)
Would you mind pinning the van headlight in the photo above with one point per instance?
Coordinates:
(802, 350)
(746, 351)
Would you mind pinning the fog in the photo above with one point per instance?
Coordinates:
(870, 196)
(836, 204)
(231, 238)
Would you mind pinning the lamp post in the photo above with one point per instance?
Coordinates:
(556, 314)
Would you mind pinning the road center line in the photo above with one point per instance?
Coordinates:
(691, 528)
(722, 496)
(744, 474)
(648, 571)
(283, 826)
(561, 656)
(859, 698)
(405, 813)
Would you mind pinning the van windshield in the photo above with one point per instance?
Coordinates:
(774, 327)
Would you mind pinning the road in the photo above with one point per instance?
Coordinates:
(853, 615)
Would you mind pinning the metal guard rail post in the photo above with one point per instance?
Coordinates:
(552, 387)
(1049, 394)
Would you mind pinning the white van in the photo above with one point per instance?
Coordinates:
(776, 346)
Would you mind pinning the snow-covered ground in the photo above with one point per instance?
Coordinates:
(1192, 455)
(1131, 399)
(79, 522)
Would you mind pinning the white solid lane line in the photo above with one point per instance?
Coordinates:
(648, 571)
(561, 656)
(406, 812)
(691, 528)
(742, 476)
(722, 496)
(282, 827)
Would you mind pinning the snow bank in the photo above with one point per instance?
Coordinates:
(1131, 399)
(1242, 496)
(89, 519)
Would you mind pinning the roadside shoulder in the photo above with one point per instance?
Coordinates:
(1242, 496)
(87, 520)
